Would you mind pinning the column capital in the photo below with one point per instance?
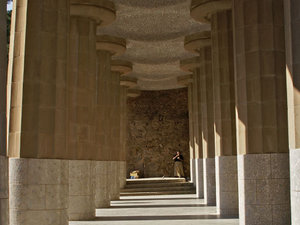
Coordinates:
(201, 10)
(196, 41)
(185, 80)
(133, 93)
(102, 11)
(114, 45)
(128, 81)
(190, 64)
(121, 66)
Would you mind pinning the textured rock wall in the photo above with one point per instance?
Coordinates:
(158, 127)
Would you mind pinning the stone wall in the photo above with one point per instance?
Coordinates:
(158, 127)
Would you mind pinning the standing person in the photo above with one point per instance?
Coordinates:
(178, 168)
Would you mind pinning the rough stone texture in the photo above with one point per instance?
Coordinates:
(114, 180)
(122, 175)
(264, 190)
(227, 185)
(154, 50)
(3, 190)
(38, 191)
(101, 184)
(81, 190)
(209, 177)
(158, 127)
(295, 185)
(193, 170)
(199, 178)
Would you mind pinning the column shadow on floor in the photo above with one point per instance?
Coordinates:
(156, 206)
(168, 217)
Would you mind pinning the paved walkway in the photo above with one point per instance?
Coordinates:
(158, 210)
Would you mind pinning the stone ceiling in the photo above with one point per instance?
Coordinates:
(154, 30)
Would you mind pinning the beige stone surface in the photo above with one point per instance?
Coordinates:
(37, 72)
(202, 10)
(206, 103)
(209, 181)
(101, 174)
(3, 77)
(81, 190)
(82, 88)
(4, 190)
(38, 191)
(260, 77)
(114, 180)
(264, 193)
(103, 12)
(224, 90)
(158, 127)
(227, 185)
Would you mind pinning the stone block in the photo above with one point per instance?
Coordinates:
(42, 196)
(263, 198)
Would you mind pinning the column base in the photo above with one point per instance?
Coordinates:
(295, 185)
(199, 178)
(81, 190)
(264, 190)
(114, 180)
(209, 178)
(101, 184)
(227, 185)
(193, 171)
(38, 191)
(122, 174)
(3, 190)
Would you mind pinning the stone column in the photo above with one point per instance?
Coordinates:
(82, 101)
(3, 121)
(102, 187)
(187, 80)
(200, 43)
(207, 101)
(119, 69)
(108, 110)
(37, 113)
(225, 124)
(292, 24)
(191, 134)
(192, 65)
(262, 133)
(219, 15)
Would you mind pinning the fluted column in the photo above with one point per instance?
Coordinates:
(37, 112)
(187, 81)
(119, 69)
(225, 125)
(200, 43)
(108, 115)
(86, 15)
(262, 134)
(292, 24)
(3, 120)
(192, 65)
(218, 13)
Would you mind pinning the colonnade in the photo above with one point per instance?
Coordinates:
(63, 119)
(247, 75)
(66, 112)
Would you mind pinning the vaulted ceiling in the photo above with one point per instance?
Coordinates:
(155, 31)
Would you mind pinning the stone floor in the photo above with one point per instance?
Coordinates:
(158, 210)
